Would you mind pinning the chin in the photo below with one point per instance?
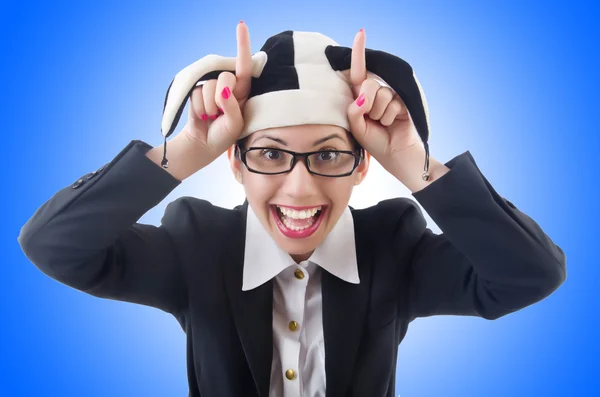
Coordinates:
(298, 251)
(295, 247)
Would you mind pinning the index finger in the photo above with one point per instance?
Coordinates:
(243, 62)
(358, 65)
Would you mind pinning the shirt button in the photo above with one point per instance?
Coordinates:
(293, 325)
(290, 374)
(77, 184)
(299, 274)
(91, 175)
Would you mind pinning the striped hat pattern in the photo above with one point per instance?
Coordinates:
(297, 79)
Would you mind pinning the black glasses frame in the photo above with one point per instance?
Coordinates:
(304, 157)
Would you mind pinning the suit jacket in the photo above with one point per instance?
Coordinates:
(490, 260)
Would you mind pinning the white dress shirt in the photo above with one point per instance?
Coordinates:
(298, 344)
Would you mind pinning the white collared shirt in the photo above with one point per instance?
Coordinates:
(300, 349)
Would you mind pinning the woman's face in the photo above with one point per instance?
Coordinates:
(298, 209)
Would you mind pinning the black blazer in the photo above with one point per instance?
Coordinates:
(491, 260)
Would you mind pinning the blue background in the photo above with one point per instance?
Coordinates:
(514, 82)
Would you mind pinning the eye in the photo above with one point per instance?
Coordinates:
(271, 154)
(327, 155)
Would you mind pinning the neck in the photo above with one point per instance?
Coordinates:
(301, 257)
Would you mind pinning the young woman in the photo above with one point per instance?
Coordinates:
(295, 293)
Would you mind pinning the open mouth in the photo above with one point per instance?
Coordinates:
(298, 223)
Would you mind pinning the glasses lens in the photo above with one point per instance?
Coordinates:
(268, 160)
(331, 163)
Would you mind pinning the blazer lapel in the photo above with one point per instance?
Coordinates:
(344, 312)
(252, 310)
(345, 308)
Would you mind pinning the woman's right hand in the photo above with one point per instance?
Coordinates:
(207, 127)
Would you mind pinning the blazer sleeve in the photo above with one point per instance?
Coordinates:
(491, 259)
(87, 236)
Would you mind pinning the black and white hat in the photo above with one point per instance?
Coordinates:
(297, 79)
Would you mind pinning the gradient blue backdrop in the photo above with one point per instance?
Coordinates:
(514, 82)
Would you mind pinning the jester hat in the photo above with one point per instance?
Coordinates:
(297, 79)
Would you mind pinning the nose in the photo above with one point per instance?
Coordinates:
(299, 183)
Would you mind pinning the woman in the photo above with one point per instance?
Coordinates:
(294, 292)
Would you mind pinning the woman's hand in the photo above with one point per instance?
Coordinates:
(215, 118)
(379, 119)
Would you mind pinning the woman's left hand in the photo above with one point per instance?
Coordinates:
(379, 119)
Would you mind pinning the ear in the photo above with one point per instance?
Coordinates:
(362, 169)
(235, 163)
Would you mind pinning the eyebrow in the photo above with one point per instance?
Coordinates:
(317, 142)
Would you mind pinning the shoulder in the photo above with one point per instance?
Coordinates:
(191, 221)
(397, 217)
(192, 209)
(389, 211)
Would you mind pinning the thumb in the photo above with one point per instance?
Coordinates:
(356, 119)
(371, 135)
(229, 125)
(232, 113)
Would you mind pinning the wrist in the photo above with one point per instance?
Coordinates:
(186, 156)
(408, 166)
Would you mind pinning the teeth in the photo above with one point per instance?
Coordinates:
(288, 223)
(295, 214)
(290, 214)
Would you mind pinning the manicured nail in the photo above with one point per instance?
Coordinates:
(241, 21)
(221, 110)
(362, 30)
(214, 116)
(360, 100)
(204, 117)
(226, 92)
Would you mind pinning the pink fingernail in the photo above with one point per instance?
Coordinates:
(214, 116)
(362, 29)
(221, 110)
(226, 92)
(204, 117)
(360, 100)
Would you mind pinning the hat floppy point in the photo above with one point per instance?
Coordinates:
(181, 87)
(297, 79)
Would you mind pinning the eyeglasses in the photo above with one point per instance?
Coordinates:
(273, 161)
